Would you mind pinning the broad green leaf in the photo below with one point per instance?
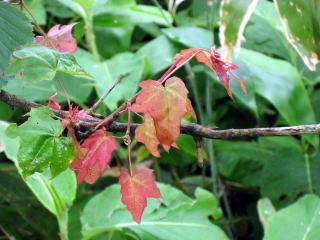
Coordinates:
(192, 37)
(37, 63)
(265, 210)
(279, 83)
(238, 161)
(13, 33)
(105, 73)
(4, 80)
(128, 64)
(160, 52)
(15, 193)
(264, 37)
(134, 14)
(81, 7)
(38, 153)
(55, 194)
(177, 217)
(118, 39)
(300, 220)
(41, 144)
(45, 89)
(301, 21)
(40, 123)
(274, 164)
(234, 16)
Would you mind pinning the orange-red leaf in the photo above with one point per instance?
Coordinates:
(146, 133)
(94, 156)
(213, 60)
(59, 38)
(190, 110)
(166, 105)
(136, 189)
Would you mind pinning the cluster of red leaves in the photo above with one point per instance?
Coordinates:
(163, 108)
(94, 153)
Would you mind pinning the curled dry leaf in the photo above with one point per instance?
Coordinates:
(60, 38)
(166, 106)
(136, 189)
(213, 60)
(93, 156)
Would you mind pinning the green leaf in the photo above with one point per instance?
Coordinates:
(238, 161)
(301, 21)
(118, 39)
(160, 52)
(280, 83)
(234, 16)
(192, 37)
(38, 153)
(81, 7)
(41, 145)
(105, 73)
(177, 217)
(15, 193)
(45, 89)
(55, 194)
(264, 37)
(40, 123)
(13, 33)
(4, 80)
(39, 63)
(276, 165)
(117, 16)
(300, 220)
(265, 210)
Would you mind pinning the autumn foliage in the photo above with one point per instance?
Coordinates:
(163, 103)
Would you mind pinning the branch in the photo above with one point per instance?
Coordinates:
(195, 130)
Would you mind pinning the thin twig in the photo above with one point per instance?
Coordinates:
(116, 82)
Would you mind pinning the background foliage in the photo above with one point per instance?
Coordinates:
(263, 188)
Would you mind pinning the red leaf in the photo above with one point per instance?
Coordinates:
(136, 189)
(54, 104)
(166, 105)
(94, 156)
(59, 38)
(146, 133)
(213, 60)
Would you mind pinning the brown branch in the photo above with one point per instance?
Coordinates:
(195, 130)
